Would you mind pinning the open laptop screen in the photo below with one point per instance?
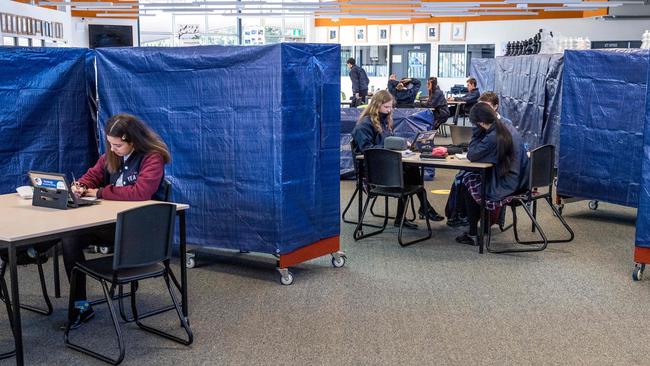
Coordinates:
(423, 141)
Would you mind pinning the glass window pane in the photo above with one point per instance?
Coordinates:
(373, 59)
(417, 65)
(451, 61)
(479, 51)
(346, 53)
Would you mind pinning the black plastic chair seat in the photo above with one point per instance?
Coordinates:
(103, 268)
(395, 191)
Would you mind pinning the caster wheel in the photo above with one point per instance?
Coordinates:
(593, 205)
(338, 261)
(190, 262)
(286, 279)
(105, 250)
(637, 273)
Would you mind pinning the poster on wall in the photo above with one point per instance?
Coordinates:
(433, 32)
(253, 35)
(407, 33)
(188, 33)
(333, 34)
(360, 35)
(457, 31)
(383, 33)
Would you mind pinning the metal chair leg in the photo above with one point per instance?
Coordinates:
(46, 297)
(347, 207)
(401, 225)
(531, 248)
(4, 294)
(358, 232)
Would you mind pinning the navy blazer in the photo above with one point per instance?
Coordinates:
(364, 136)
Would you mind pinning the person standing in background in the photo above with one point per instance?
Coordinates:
(359, 83)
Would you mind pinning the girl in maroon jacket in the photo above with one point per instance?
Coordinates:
(132, 169)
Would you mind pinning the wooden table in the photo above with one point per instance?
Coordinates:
(458, 104)
(449, 163)
(22, 224)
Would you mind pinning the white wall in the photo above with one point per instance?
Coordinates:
(38, 12)
(80, 27)
(496, 32)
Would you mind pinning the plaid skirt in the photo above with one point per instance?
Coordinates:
(473, 183)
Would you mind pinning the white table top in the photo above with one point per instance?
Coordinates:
(19, 220)
(451, 162)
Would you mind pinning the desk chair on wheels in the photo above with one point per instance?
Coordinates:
(542, 165)
(384, 172)
(143, 248)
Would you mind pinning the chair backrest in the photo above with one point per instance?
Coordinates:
(383, 168)
(542, 162)
(143, 235)
(164, 192)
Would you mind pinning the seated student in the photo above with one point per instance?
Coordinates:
(500, 144)
(437, 102)
(404, 91)
(470, 99)
(374, 125)
(132, 169)
(455, 208)
(492, 99)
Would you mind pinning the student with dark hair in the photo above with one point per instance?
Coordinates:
(132, 169)
(500, 144)
(360, 83)
(374, 125)
(470, 99)
(437, 102)
(404, 91)
(492, 99)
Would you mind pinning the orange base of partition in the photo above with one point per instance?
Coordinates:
(642, 255)
(315, 250)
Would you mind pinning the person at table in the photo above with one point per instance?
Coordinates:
(132, 169)
(492, 99)
(437, 102)
(373, 126)
(360, 83)
(404, 91)
(470, 99)
(500, 144)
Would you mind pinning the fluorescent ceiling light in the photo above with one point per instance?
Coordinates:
(500, 13)
(542, 1)
(604, 4)
(73, 3)
(120, 15)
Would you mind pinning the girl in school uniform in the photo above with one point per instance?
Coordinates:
(132, 169)
(495, 142)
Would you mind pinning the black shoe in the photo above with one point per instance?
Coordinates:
(80, 318)
(433, 215)
(457, 221)
(467, 239)
(407, 224)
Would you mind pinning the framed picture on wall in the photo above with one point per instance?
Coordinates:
(333, 34)
(360, 34)
(433, 32)
(406, 33)
(457, 31)
(383, 33)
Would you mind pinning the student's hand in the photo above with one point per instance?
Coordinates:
(91, 192)
(356, 95)
(78, 190)
(393, 77)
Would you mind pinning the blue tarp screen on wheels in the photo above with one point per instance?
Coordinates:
(643, 214)
(483, 70)
(45, 119)
(253, 131)
(603, 113)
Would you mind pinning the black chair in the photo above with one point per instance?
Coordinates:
(542, 165)
(143, 248)
(4, 293)
(385, 179)
(358, 174)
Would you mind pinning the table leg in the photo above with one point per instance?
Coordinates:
(484, 217)
(15, 302)
(57, 280)
(456, 114)
(183, 254)
(359, 195)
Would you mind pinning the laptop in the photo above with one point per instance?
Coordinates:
(461, 135)
(423, 141)
(53, 190)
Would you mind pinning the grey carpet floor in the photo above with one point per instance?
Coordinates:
(435, 303)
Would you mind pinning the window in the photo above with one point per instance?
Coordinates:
(373, 59)
(454, 60)
(346, 53)
(451, 61)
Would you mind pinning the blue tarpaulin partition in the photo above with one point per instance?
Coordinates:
(520, 83)
(643, 214)
(45, 119)
(553, 104)
(254, 135)
(406, 123)
(483, 70)
(603, 113)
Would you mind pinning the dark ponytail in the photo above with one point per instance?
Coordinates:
(483, 113)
